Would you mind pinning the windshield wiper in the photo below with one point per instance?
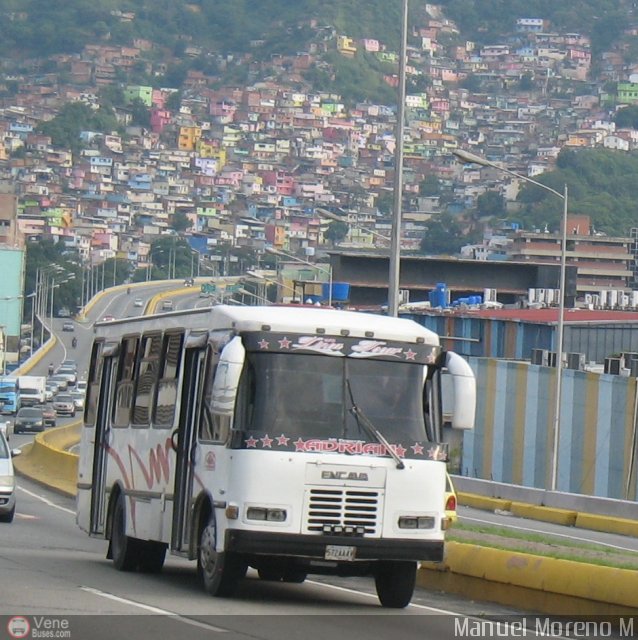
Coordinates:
(362, 420)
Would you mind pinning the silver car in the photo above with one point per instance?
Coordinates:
(7, 480)
(64, 404)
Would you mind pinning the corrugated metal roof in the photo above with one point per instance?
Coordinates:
(550, 315)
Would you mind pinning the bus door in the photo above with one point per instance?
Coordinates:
(184, 438)
(104, 381)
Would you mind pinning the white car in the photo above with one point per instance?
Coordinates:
(138, 302)
(7, 480)
(78, 399)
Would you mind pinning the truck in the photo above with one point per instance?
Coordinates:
(32, 390)
(9, 397)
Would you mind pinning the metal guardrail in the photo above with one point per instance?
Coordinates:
(542, 497)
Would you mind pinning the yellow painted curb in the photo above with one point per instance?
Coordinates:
(37, 357)
(483, 502)
(544, 514)
(592, 583)
(47, 462)
(607, 523)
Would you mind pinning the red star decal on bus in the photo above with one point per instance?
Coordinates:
(264, 344)
(251, 443)
(282, 441)
(266, 442)
(285, 343)
(417, 448)
(300, 445)
(410, 355)
(400, 450)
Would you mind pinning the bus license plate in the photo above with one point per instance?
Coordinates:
(339, 552)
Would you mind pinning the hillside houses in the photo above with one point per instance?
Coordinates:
(250, 166)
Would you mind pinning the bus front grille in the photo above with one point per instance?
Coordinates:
(343, 511)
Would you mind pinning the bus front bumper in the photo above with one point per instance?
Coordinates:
(319, 546)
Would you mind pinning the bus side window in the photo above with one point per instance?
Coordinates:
(146, 379)
(93, 386)
(124, 384)
(166, 404)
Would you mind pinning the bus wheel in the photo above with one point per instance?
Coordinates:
(395, 583)
(151, 556)
(123, 548)
(220, 571)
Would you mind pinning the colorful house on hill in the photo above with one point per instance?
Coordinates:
(141, 93)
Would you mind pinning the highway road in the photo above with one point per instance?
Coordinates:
(51, 569)
(48, 567)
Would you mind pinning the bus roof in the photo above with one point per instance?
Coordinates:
(280, 319)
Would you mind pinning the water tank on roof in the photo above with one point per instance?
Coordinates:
(340, 291)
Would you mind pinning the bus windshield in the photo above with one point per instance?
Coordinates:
(307, 396)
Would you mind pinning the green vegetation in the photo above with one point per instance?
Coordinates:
(550, 546)
(601, 184)
(485, 21)
(73, 118)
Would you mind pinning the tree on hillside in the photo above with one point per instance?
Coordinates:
(443, 235)
(73, 118)
(337, 231)
(490, 204)
(180, 221)
(627, 117)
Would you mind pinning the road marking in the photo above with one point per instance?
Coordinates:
(151, 609)
(26, 516)
(370, 595)
(46, 501)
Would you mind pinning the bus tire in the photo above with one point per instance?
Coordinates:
(220, 572)
(395, 581)
(295, 576)
(151, 556)
(123, 548)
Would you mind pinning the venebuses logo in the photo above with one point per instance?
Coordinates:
(18, 627)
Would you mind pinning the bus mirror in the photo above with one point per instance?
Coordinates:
(229, 368)
(463, 390)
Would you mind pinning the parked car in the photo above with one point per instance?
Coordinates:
(64, 405)
(68, 326)
(167, 305)
(7, 480)
(450, 501)
(138, 302)
(49, 415)
(29, 419)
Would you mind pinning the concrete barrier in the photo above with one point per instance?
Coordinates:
(48, 461)
(535, 583)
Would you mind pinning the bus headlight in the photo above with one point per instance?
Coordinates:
(416, 522)
(266, 514)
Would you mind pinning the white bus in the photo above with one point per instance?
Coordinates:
(292, 440)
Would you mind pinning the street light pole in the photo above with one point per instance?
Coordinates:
(470, 158)
(395, 244)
